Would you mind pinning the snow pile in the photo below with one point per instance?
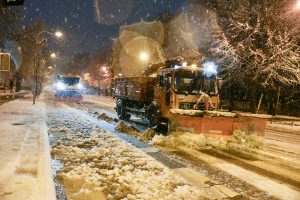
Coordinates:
(105, 117)
(175, 139)
(106, 167)
(242, 140)
(202, 113)
(130, 130)
(147, 135)
(239, 140)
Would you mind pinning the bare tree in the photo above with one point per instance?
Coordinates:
(262, 42)
(27, 44)
(9, 24)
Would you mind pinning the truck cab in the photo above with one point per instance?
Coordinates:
(68, 89)
(187, 88)
(176, 87)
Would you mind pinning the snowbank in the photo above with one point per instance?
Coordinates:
(109, 168)
(239, 140)
(175, 139)
(25, 169)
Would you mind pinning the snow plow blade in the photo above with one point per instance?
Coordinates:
(68, 96)
(216, 123)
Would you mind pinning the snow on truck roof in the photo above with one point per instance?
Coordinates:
(200, 113)
(189, 68)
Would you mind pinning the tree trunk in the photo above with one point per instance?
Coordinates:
(4, 86)
(271, 101)
(277, 101)
(18, 85)
(252, 99)
(231, 98)
(259, 103)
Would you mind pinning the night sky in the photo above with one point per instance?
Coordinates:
(89, 25)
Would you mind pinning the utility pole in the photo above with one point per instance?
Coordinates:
(34, 73)
(36, 60)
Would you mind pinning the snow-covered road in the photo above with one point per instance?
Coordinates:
(99, 165)
(94, 157)
(282, 169)
(209, 177)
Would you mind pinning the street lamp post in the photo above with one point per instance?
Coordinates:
(36, 64)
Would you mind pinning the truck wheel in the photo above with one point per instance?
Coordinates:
(154, 121)
(120, 109)
(154, 117)
(127, 117)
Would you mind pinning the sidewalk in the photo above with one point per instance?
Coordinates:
(25, 168)
(20, 93)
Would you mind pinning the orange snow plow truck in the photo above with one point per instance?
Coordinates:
(181, 97)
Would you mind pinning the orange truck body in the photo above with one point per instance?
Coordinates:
(181, 112)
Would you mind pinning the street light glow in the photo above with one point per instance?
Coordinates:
(298, 5)
(104, 68)
(53, 55)
(144, 56)
(58, 34)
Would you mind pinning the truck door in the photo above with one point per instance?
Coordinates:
(167, 87)
(162, 91)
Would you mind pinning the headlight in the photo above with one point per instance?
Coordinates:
(210, 68)
(60, 86)
(80, 86)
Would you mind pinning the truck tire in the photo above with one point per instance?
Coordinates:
(153, 116)
(127, 117)
(121, 110)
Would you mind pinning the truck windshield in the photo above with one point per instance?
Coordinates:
(193, 82)
(70, 80)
